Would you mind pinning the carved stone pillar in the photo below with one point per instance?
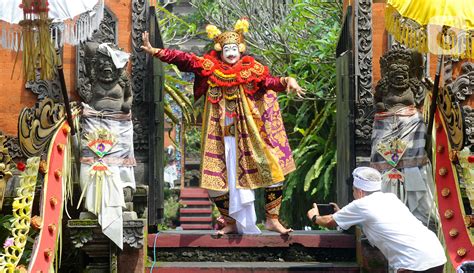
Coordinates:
(363, 72)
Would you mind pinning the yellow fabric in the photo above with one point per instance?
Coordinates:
(441, 12)
(408, 20)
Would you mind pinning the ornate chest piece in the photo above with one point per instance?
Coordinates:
(231, 95)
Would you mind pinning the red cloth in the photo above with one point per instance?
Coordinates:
(188, 62)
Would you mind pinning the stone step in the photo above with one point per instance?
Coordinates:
(198, 212)
(196, 226)
(191, 193)
(300, 246)
(195, 210)
(195, 203)
(191, 219)
(197, 239)
(254, 267)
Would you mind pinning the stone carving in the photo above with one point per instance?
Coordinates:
(139, 13)
(87, 235)
(463, 86)
(140, 108)
(13, 146)
(452, 114)
(419, 85)
(363, 66)
(46, 89)
(106, 33)
(393, 91)
(80, 237)
(37, 126)
(109, 86)
(107, 156)
(469, 122)
(364, 51)
(133, 234)
(398, 136)
(84, 231)
(450, 97)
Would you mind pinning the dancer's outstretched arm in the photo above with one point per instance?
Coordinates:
(186, 62)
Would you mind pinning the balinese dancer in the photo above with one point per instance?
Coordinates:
(398, 137)
(244, 144)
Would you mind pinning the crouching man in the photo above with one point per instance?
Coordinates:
(388, 224)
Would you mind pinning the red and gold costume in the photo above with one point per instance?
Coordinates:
(244, 91)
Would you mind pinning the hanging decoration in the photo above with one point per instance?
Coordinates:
(38, 49)
(22, 206)
(40, 27)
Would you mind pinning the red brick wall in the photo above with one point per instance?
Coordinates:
(380, 41)
(13, 96)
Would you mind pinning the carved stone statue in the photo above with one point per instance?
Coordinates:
(398, 137)
(110, 88)
(393, 91)
(419, 84)
(107, 157)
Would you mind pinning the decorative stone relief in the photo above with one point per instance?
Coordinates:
(469, 123)
(133, 233)
(139, 109)
(363, 69)
(13, 146)
(46, 89)
(37, 125)
(463, 86)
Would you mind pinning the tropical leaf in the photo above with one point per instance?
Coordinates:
(316, 169)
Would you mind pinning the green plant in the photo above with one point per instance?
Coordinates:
(171, 214)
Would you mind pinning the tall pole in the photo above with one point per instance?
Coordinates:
(433, 104)
(62, 82)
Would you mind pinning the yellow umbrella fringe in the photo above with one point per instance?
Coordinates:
(413, 35)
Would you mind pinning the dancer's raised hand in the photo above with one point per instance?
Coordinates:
(146, 44)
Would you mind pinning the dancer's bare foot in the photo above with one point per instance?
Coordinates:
(275, 225)
(228, 229)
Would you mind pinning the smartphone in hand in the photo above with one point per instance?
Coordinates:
(325, 209)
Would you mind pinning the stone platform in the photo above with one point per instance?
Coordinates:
(301, 251)
(254, 267)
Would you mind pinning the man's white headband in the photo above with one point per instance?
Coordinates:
(365, 184)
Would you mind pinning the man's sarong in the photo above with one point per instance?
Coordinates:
(398, 152)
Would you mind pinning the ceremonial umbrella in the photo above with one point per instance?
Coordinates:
(441, 27)
(40, 27)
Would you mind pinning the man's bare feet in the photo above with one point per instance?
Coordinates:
(275, 225)
(228, 229)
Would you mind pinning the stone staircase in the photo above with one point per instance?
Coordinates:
(302, 251)
(197, 211)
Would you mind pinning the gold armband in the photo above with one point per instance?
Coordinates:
(284, 80)
(156, 52)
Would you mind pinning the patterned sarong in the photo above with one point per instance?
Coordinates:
(263, 154)
(398, 152)
(398, 140)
